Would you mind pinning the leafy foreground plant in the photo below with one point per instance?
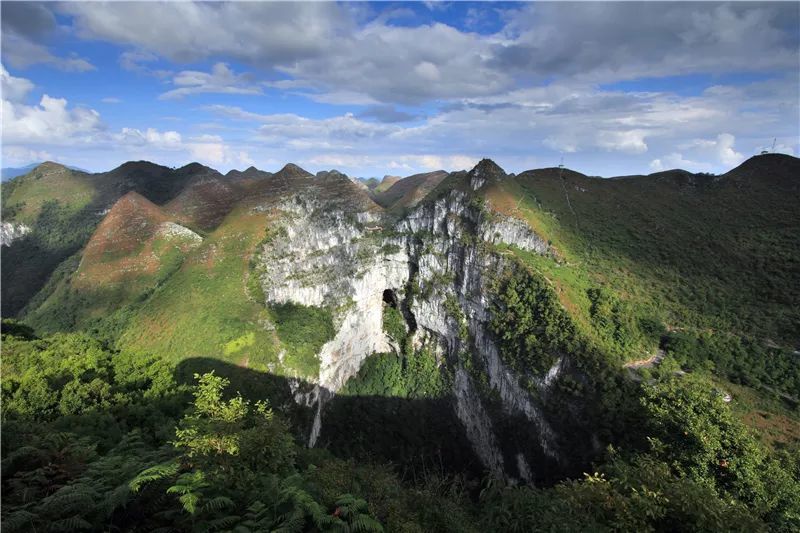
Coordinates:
(235, 472)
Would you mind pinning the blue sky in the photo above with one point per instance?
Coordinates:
(400, 87)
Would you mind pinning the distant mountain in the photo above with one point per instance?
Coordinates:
(386, 182)
(12, 172)
(407, 192)
(370, 183)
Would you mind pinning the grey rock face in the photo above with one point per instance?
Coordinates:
(9, 232)
(331, 258)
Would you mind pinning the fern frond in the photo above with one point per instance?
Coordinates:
(73, 523)
(189, 502)
(218, 503)
(365, 524)
(19, 521)
(153, 473)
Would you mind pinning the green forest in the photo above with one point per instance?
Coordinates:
(96, 439)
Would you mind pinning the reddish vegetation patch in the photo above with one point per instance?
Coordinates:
(205, 203)
(407, 192)
(502, 201)
(130, 223)
(568, 304)
(773, 428)
(122, 244)
(156, 327)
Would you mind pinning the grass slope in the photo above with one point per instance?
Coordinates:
(204, 309)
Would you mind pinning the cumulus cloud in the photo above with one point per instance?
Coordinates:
(676, 160)
(535, 88)
(705, 153)
(319, 44)
(406, 163)
(51, 121)
(221, 79)
(166, 140)
(437, 62)
(623, 132)
(724, 147)
(631, 141)
(14, 89)
(267, 33)
(208, 149)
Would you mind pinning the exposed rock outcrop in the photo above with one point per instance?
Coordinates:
(345, 261)
(9, 232)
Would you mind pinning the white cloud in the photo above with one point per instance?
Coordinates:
(221, 79)
(53, 123)
(20, 155)
(167, 140)
(427, 71)
(676, 160)
(707, 154)
(111, 100)
(724, 147)
(49, 122)
(14, 89)
(266, 33)
(391, 162)
(606, 132)
(485, 93)
(630, 141)
(208, 149)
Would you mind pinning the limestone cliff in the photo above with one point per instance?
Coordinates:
(442, 249)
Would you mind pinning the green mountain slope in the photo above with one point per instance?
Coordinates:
(62, 207)
(697, 251)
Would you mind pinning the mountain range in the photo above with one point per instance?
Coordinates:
(188, 262)
(494, 321)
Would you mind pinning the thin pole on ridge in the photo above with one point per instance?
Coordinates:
(563, 186)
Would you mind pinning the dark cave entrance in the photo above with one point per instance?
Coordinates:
(390, 298)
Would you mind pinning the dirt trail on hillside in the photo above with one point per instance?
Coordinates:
(649, 362)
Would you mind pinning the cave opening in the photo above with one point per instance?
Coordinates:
(390, 298)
